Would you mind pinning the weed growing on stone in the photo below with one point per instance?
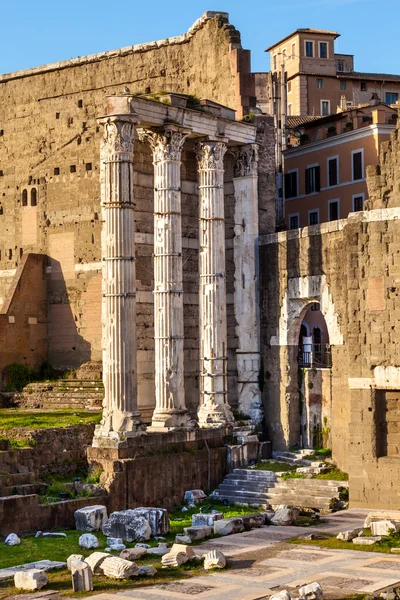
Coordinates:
(275, 466)
(11, 418)
(384, 546)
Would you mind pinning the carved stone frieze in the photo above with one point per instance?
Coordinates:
(246, 161)
(210, 155)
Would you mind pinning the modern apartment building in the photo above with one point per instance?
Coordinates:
(324, 176)
(316, 78)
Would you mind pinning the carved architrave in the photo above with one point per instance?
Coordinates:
(166, 143)
(246, 161)
(210, 155)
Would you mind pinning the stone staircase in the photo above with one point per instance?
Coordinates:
(16, 479)
(246, 486)
(65, 393)
(263, 488)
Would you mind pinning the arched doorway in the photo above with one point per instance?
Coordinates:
(314, 363)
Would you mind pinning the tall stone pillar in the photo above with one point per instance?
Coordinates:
(121, 418)
(245, 246)
(214, 409)
(170, 411)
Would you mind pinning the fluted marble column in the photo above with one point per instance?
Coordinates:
(170, 411)
(245, 245)
(214, 409)
(121, 418)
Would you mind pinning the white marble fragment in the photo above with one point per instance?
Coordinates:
(89, 541)
(32, 579)
(214, 560)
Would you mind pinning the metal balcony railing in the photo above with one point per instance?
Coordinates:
(320, 357)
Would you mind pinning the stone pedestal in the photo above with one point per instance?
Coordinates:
(245, 246)
(170, 410)
(121, 418)
(214, 409)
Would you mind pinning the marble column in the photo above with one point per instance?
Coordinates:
(245, 245)
(170, 411)
(214, 409)
(121, 418)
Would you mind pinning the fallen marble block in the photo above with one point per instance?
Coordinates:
(157, 519)
(88, 541)
(197, 533)
(312, 591)
(228, 526)
(384, 515)
(252, 521)
(349, 535)
(128, 525)
(182, 539)
(285, 515)
(142, 545)
(95, 560)
(282, 595)
(366, 541)
(72, 558)
(54, 535)
(214, 560)
(178, 555)
(194, 496)
(133, 554)
(160, 550)
(395, 550)
(90, 518)
(82, 579)
(147, 571)
(118, 568)
(207, 519)
(383, 527)
(12, 540)
(32, 579)
(42, 565)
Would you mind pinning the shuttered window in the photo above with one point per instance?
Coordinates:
(313, 180)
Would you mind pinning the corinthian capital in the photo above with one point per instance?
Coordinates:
(118, 136)
(210, 155)
(246, 161)
(166, 143)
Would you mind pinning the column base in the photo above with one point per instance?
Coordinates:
(168, 420)
(215, 415)
(117, 427)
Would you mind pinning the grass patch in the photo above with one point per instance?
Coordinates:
(11, 418)
(384, 546)
(334, 474)
(274, 466)
(319, 453)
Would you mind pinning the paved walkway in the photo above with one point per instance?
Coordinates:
(260, 563)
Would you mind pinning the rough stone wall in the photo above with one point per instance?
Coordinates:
(352, 267)
(49, 185)
(23, 317)
(383, 180)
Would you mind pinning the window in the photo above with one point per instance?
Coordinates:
(33, 197)
(323, 50)
(325, 107)
(293, 50)
(291, 184)
(340, 66)
(275, 62)
(80, 103)
(57, 115)
(88, 166)
(315, 306)
(319, 84)
(72, 169)
(333, 210)
(357, 165)
(56, 170)
(313, 217)
(24, 197)
(333, 164)
(363, 86)
(290, 109)
(343, 85)
(289, 87)
(313, 183)
(391, 97)
(310, 49)
(294, 221)
(358, 203)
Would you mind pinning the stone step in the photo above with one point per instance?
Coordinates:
(23, 490)
(231, 489)
(253, 474)
(234, 484)
(245, 501)
(303, 501)
(252, 480)
(240, 494)
(311, 484)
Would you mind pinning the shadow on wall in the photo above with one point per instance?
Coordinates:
(66, 348)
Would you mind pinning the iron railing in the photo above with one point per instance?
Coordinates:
(320, 357)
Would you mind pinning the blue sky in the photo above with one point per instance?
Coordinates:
(35, 33)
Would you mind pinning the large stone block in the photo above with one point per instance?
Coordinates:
(82, 580)
(90, 518)
(312, 591)
(74, 558)
(214, 559)
(228, 526)
(197, 533)
(95, 559)
(157, 518)
(88, 541)
(178, 555)
(128, 525)
(254, 520)
(285, 515)
(118, 568)
(383, 527)
(133, 554)
(194, 496)
(31, 579)
(207, 519)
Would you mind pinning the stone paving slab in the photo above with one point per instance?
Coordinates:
(46, 565)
